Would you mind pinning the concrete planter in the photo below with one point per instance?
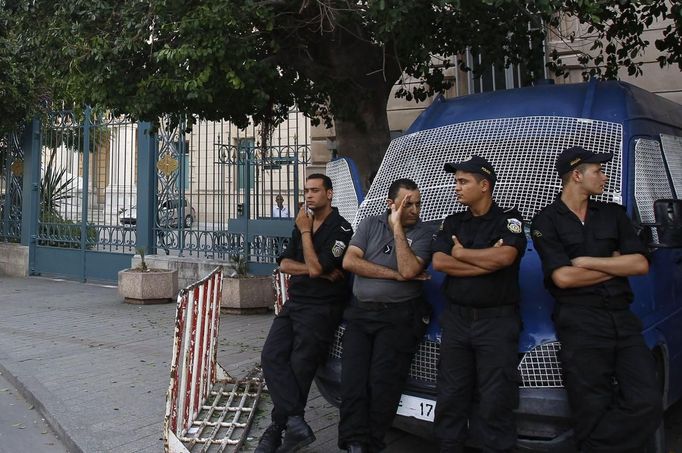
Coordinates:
(245, 295)
(154, 286)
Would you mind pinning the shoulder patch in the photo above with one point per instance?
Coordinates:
(338, 248)
(514, 225)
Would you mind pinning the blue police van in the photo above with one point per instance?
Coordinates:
(521, 132)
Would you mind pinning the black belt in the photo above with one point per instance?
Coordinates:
(379, 305)
(474, 314)
(606, 303)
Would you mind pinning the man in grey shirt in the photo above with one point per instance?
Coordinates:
(388, 255)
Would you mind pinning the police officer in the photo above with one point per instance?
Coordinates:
(300, 336)
(479, 250)
(588, 249)
(387, 254)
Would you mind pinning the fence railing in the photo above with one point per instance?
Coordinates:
(11, 187)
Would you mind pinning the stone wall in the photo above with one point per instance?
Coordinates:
(13, 260)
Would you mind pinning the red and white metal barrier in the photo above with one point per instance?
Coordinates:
(194, 369)
(280, 281)
(205, 407)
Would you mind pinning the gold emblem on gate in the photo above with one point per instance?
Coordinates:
(17, 168)
(167, 165)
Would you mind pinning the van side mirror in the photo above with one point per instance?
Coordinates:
(668, 215)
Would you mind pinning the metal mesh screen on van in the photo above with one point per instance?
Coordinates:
(539, 367)
(345, 196)
(672, 149)
(522, 150)
(651, 180)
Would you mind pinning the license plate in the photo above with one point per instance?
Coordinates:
(413, 406)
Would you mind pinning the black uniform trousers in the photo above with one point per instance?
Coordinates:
(478, 378)
(378, 346)
(598, 344)
(298, 342)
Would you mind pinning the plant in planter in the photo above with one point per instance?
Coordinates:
(142, 285)
(244, 293)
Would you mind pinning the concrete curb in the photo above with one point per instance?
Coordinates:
(28, 387)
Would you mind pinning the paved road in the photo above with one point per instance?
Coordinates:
(21, 426)
(100, 368)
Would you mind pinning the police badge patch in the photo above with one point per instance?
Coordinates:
(338, 248)
(514, 225)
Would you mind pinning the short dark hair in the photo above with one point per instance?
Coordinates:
(566, 177)
(398, 184)
(479, 177)
(326, 181)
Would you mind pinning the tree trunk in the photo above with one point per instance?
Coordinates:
(366, 139)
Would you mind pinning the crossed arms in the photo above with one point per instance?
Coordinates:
(590, 270)
(466, 262)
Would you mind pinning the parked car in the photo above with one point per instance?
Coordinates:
(168, 214)
(521, 132)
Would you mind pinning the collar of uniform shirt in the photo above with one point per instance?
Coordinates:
(492, 212)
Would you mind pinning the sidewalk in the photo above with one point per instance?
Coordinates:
(98, 369)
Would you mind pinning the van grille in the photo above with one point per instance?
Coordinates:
(523, 151)
(539, 368)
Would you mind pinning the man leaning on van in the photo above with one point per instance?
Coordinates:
(588, 249)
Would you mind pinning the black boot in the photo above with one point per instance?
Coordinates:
(271, 439)
(356, 447)
(297, 435)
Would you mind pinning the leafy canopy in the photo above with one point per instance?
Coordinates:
(236, 59)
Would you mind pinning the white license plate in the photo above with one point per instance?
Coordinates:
(413, 406)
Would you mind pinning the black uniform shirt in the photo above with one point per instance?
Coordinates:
(478, 232)
(330, 241)
(559, 236)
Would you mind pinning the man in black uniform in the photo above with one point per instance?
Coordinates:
(588, 249)
(387, 254)
(479, 250)
(300, 336)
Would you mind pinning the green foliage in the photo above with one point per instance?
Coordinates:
(20, 85)
(143, 265)
(240, 264)
(246, 60)
(55, 231)
(54, 187)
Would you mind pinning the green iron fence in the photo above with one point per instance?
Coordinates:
(103, 186)
(11, 187)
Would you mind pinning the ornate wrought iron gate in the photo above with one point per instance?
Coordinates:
(85, 167)
(217, 187)
(11, 180)
(104, 186)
